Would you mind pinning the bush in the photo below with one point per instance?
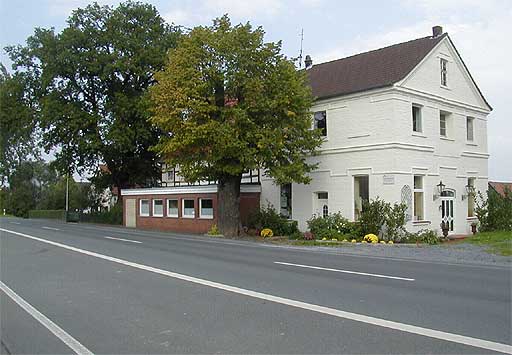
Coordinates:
(114, 216)
(494, 212)
(371, 238)
(47, 214)
(267, 233)
(381, 218)
(269, 218)
(332, 226)
(428, 236)
(214, 230)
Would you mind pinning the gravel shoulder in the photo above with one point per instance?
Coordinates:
(452, 252)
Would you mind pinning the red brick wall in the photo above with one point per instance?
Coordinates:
(248, 203)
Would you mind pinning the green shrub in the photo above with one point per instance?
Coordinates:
(114, 216)
(332, 226)
(494, 212)
(47, 214)
(427, 236)
(269, 218)
(214, 230)
(383, 219)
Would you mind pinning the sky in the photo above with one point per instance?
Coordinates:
(480, 29)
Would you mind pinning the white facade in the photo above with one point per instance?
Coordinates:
(371, 133)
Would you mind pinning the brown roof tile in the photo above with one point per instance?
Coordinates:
(500, 187)
(369, 70)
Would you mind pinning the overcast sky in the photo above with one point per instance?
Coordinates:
(481, 30)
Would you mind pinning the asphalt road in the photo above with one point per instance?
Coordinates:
(92, 289)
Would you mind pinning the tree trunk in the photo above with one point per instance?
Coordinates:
(228, 216)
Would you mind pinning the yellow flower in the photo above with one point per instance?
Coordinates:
(374, 242)
(353, 241)
(266, 233)
(344, 240)
(371, 238)
(391, 242)
(334, 239)
(382, 242)
(324, 238)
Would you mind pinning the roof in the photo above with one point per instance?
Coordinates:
(369, 70)
(500, 187)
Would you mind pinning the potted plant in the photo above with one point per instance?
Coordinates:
(445, 227)
(473, 227)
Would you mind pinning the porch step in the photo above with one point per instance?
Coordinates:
(458, 236)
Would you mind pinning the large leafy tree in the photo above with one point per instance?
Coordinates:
(17, 126)
(89, 81)
(228, 102)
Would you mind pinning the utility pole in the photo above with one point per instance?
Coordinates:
(67, 193)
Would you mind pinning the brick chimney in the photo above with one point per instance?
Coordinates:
(437, 31)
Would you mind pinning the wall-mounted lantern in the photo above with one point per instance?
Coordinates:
(440, 189)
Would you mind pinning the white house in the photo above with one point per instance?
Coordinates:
(406, 123)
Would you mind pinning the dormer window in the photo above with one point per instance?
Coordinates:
(444, 72)
(321, 122)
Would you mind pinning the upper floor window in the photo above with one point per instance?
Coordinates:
(416, 118)
(470, 126)
(321, 122)
(442, 125)
(444, 72)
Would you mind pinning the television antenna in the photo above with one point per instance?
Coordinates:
(300, 52)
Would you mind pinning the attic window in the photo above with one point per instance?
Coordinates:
(444, 72)
(321, 122)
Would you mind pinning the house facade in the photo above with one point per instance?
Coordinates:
(405, 123)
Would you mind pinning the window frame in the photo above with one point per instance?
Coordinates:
(422, 191)
(468, 120)
(325, 210)
(153, 207)
(443, 118)
(183, 214)
(201, 208)
(177, 208)
(140, 208)
(443, 67)
(315, 122)
(418, 119)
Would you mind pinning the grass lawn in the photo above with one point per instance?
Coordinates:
(497, 242)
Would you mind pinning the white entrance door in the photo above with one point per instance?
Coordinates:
(130, 217)
(448, 209)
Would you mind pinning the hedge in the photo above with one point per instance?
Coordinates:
(47, 214)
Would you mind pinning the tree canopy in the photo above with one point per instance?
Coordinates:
(16, 123)
(89, 82)
(228, 102)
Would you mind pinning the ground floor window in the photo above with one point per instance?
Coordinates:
(188, 209)
(419, 209)
(172, 208)
(205, 208)
(144, 208)
(471, 197)
(361, 194)
(286, 201)
(158, 208)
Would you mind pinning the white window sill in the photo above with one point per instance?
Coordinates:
(189, 217)
(144, 215)
(420, 223)
(206, 217)
(418, 134)
(158, 215)
(447, 139)
(173, 216)
(445, 87)
(471, 143)
(471, 218)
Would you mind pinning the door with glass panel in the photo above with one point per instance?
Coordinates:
(448, 209)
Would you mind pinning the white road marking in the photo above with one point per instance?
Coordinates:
(431, 333)
(345, 271)
(14, 222)
(124, 240)
(51, 228)
(41, 318)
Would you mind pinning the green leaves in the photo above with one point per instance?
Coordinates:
(228, 102)
(89, 82)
